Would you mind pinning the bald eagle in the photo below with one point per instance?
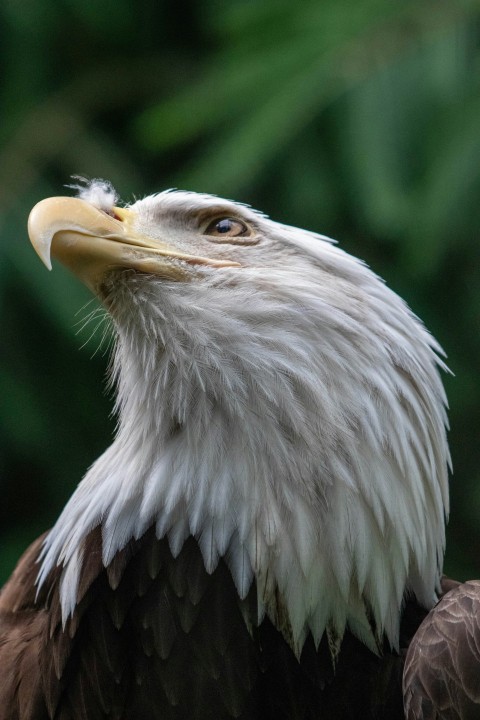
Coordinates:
(266, 532)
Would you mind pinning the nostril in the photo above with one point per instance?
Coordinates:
(118, 213)
(111, 213)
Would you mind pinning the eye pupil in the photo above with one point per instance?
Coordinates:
(224, 226)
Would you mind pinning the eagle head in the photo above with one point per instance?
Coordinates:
(276, 401)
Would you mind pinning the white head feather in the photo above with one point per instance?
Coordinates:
(289, 414)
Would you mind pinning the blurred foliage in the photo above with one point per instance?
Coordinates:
(358, 120)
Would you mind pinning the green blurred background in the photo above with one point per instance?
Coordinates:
(360, 120)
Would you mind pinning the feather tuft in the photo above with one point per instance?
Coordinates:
(99, 193)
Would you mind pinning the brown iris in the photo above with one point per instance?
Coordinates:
(227, 228)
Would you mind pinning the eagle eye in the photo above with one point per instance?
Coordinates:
(228, 228)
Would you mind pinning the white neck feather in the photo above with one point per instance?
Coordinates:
(321, 475)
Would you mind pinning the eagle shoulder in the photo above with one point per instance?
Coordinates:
(441, 677)
(22, 632)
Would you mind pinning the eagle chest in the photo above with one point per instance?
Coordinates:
(155, 636)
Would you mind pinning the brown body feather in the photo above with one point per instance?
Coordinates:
(442, 676)
(157, 637)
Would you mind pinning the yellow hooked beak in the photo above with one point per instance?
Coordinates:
(90, 242)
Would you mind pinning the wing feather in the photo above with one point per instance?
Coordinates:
(442, 669)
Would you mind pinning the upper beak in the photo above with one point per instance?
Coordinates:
(90, 242)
